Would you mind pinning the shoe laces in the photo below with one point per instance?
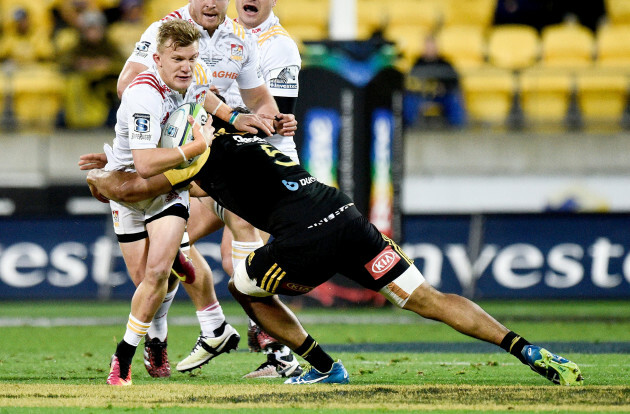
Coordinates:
(157, 354)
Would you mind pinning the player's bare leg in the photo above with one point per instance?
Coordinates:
(456, 311)
(164, 236)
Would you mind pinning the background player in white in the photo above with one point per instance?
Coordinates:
(150, 232)
(280, 64)
(232, 56)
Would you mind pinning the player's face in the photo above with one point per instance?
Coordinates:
(252, 13)
(176, 66)
(209, 13)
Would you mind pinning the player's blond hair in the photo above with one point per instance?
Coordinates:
(177, 33)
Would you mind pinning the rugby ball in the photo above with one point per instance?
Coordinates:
(177, 131)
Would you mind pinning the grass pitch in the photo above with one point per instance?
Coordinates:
(54, 358)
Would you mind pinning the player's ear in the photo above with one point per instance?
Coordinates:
(156, 59)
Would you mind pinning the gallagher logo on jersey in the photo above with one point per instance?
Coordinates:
(382, 263)
(236, 52)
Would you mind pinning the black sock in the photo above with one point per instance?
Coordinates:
(125, 353)
(315, 355)
(514, 344)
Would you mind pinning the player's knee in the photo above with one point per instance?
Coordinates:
(400, 290)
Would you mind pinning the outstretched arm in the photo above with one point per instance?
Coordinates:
(125, 186)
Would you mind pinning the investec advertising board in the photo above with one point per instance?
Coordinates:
(524, 256)
(516, 256)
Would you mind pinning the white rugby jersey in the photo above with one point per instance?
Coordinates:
(230, 54)
(144, 108)
(279, 60)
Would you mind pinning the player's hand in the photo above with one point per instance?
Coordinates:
(204, 133)
(91, 180)
(285, 124)
(252, 123)
(92, 161)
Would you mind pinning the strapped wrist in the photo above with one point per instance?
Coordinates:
(233, 117)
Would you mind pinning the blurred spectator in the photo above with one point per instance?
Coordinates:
(541, 13)
(92, 67)
(433, 90)
(68, 12)
(23, 42)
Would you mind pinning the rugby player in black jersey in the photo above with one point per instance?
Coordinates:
(317, 232)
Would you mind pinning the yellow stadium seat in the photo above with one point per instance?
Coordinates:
(311, 12)
(601, 94)
(38, 94)
(469, 12)
(409, 41)
(408, 13)
(65, 39)
(513, 46)
(545, 95)
(3, 92)
(125, 35)
(305, 32)
(371, 16)
(618, 11)
(613, 46)
(567, 46)
(157, 9)
(463, 46)
(489, 93)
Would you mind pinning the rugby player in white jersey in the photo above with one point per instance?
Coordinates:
(232, 56)
(280, 64)
(150, 232)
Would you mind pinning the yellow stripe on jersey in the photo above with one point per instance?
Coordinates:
(273, 31)
(178, 176)
(200, 75)
(397, 249)
(238, 29)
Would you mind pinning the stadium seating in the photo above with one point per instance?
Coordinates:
(409, 41)
(38, 93)
(413, 13)
(569, 46)
(545, 94)
(489, 93)
(157, 9)
(618, 11)
(39, 12)
(613, 46)
(125, 35)
(463, 46)
(513, 46)
(469, 12)
(601, 94)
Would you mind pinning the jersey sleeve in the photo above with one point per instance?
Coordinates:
(176, 177)
(280, 63)
(144, 117)
(251, 75)
(146, 46)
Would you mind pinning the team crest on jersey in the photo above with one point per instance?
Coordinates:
(116, 218)
(236, 52)
(142, 123)
(142, 48)
(382, 263)
(284, 78)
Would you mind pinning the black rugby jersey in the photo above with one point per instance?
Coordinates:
(253, 179)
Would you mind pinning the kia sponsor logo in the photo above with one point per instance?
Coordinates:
(298, 288)
(382, 263)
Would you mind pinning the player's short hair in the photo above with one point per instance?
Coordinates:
(177, 33)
